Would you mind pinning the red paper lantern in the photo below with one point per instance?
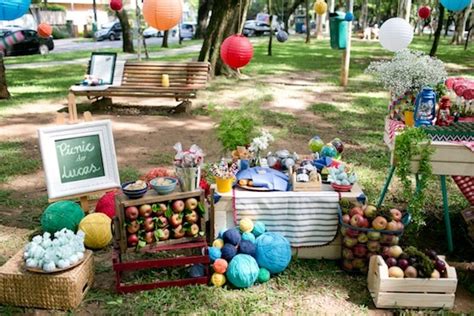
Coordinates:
(424, 12)
(45, 30)
(116, 5)
(236, 51)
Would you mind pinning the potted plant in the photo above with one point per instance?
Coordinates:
(258, 145)
(188, 166)
(224, 173)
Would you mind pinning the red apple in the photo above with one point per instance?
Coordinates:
(386, 239)
(360, 251)
(162, 234)
(385, 252)
(370, 211)
(349, 242)
(356, 210)
(176, 220)
(178, 232)
(392, 225)
(191, 204)
(352, 233)
(395, 240)
(177, 206)
(364, 223)
(343, 231)
(400, 226)
(145, 210)
(148, 224)
(159, 209)
(373, 235)
(347, 265)
(362, 238)
(379, 223)
(149, 237)
(191, 217)
(346, 218)
(347, 253)
(161, 222)
(133, 227)
(395, 251)
(391, 262)
(132, 240)
(356, 220)
(373, 246)
(396, 214)
(193, 230)
(131, 213)
(358, 263)
(403, 263)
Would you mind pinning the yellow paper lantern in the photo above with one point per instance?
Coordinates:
(218, 279)
(162, 14)
(320, 7)
(97, 230)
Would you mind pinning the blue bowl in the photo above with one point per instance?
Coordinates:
(164, 189)
(133, 194)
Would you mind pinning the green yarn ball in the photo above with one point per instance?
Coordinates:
(242, 271)
(258, 229)
(263, 275)
(61, 214)
(248, 236)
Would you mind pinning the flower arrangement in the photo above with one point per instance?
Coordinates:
(224, 169)
(261, 142)
(191, 158)
(408, 71)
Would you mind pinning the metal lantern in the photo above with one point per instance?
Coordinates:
(116, 5)
(236, 51)
(455, 5)
(45, 30)
(162, 14)
(282, 36)
(424, 12)
(395, 34)
(425, 107)
(13, 9)
(320, 7)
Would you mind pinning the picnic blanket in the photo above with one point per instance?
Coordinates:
(306, 219)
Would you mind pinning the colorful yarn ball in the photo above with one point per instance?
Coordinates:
(218, 243)
(247, 247)
(97, 230)
(246, 225)
(220, 266)
(221, 233)
(263, 275)
(232, 236)
(273, 252)
(228, 252)
(218, 279)
(249, 237)
(214, 253)
(242, 271)
(61, 214)
(329, 150)
(196, 271)
(106, 204)
(258, 229)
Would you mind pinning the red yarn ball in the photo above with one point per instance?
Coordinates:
(236, 51)
(116, 5)
(424, 12)
(106, 204)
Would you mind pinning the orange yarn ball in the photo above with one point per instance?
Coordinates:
(45, 30)
(220, 266)
(162, 14)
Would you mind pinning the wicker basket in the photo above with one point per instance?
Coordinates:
(62, 291)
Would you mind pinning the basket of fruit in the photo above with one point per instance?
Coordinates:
(342, 178)
(367, 231)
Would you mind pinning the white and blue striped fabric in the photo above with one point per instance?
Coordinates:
(306, 219)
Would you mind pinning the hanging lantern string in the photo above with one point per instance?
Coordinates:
(240, 17)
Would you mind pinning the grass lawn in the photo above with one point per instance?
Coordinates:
(307, 286)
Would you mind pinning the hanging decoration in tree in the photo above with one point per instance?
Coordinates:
(424, 12)
(45, 30)
(349, 17)
(395, 34)
(13, 9)
(116, 5)
(162, 14)
(455, 5)
(10, 40)
(320, 7)
(236, 51)
(282, 36)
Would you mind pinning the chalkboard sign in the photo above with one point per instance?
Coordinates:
(78, 158)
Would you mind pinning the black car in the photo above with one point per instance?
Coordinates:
(32, 43)
(111, 31)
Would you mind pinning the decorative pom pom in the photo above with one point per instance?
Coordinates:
(249, 237)
(214, 253)
(246, 225)
(242, 271)
(228, 252)
(62, 214)
(258, 229)
(98, 232)
(218, 243)
(221, 233)
(263, 275)
(248, 248)
(220, 266)
(218, 279)
(232, 236)
(106, 204)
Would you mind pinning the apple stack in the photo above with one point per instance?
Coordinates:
(367, 231)
(150, 223)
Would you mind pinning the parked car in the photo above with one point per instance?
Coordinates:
(187, 30)
(257, 28)
(32, 44)
(111, 31)
(151, 32)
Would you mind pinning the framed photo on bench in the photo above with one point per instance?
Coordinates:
(78, 158)
(102, 66)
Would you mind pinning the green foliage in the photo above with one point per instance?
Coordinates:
(128, 174)
(59, 33)
(424, 265)
(51, 7)
(14, 160)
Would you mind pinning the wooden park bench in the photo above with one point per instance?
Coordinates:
(144, 80)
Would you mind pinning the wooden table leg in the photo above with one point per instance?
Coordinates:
(385, 187)
(72, 108)
(447, 221)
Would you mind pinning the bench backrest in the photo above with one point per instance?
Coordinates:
(181, 75)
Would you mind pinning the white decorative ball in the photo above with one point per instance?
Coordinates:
(395, 34)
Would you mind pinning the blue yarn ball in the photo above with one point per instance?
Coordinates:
(273, 252)
(258, 228)
(232, 236)
(221, 233)
(242, 271)
(13, 9)
(349, 17)
(247, 247)
(228, 252)
(214, 253)
(455, 5)
(249, 237)
(196, 270)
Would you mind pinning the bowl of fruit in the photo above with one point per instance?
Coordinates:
(134, 189)
(164, 185)
(341, 178)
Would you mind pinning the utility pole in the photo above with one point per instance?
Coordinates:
(346, 55)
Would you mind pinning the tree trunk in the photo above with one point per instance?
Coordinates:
(166, 34)
(308, 23)
(4, 93)
(127, 37)
(404, 9)
(470, 32)
(224, 21)
(270, 12)
(203, 16)
(461, 20)
(364, 14)
(439, 27)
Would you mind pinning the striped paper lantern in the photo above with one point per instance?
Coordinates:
(162, 14)
(11, 40)
(236, 51)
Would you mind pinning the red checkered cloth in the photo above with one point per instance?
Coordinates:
(466, 185)
(393, 127)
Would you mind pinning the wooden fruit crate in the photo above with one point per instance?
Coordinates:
(122, 202)
(310, 186)
(409, 292)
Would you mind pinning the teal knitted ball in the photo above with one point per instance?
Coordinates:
(248, 236)
(273, 252)
(61, 214)
(258, 228)
(263, 275)
(242, 271)
(214, 253)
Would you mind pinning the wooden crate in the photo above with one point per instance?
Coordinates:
(309, 186)
(409, 292)
(122, 202)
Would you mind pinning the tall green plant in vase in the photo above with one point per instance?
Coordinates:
(410, 143)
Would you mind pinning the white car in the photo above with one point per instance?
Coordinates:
(151, 32)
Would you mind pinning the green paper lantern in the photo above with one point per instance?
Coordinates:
(62, 214)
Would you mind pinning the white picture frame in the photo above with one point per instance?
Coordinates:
(102, 66)
(69, 154)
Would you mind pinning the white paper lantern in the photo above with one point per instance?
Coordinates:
(395, 34)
